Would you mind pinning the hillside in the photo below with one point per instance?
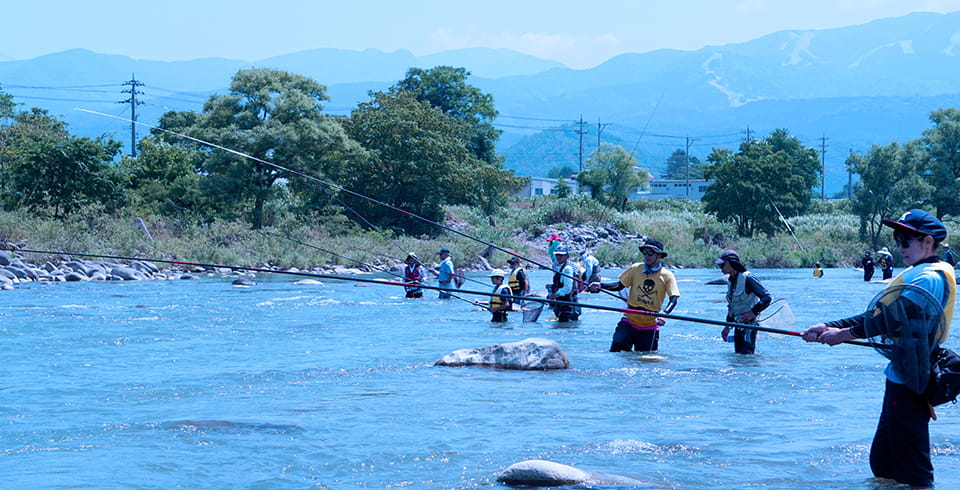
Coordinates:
(847, 88)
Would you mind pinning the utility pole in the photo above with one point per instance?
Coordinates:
(580, 132)
(749, 134)
(600, 130)
(850, 181)
(823, 164)
(686, 153)
(133, 83)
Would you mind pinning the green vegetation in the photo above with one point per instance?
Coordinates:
(829, 236)
(261, 171)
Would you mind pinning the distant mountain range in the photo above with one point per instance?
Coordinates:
(842, 89)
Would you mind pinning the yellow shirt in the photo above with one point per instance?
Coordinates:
(647, 292)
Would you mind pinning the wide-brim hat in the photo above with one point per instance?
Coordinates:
(554, 238)
(654, 245)
(443, 250)
(497, 273)
(561, 251)
(919, 221)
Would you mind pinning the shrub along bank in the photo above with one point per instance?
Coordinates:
(692, 238)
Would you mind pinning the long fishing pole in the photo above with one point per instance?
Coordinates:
(315, 247)
(435, 288)
(371, 266)
(334, 186)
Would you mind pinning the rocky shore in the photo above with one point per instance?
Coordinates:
(15, 269)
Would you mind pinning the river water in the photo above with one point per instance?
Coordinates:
(201, 384)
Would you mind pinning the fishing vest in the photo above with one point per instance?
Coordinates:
(566, 273)
(738, 300)
(413, 274)
(501, 293)
(514, 280)
(950, 285)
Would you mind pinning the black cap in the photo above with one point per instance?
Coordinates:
(919, 221)
(728, 256)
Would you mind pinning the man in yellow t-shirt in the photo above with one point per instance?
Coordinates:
(650, 284)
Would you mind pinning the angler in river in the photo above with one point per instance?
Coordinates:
(518, 281)
(650, 284)
(501, 300)
(564, 287)
(445, 272)
(746, 298)
(413, 274)
(901, 444)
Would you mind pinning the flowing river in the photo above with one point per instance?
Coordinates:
(201, 384)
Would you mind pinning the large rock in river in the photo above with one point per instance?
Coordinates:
(540, 473)
(533, 353)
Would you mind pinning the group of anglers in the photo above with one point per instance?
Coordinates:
(901, 446)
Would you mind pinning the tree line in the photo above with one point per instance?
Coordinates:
(425, 142)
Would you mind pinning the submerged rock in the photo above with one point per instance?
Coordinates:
(532, 353)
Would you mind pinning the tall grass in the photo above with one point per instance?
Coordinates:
(830, 237)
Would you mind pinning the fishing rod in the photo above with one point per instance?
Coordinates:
(371, 266)
(435, 288)
(334, 186)
(310, 245)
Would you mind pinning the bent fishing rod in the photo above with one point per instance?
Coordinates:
(435, 288)
(337, 187)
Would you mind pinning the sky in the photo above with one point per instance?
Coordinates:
(580, 34)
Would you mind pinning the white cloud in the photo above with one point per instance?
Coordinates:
(575, 51)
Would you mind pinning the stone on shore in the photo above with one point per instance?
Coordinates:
(528, 354)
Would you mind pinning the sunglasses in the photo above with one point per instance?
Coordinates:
(648, 252)
(903, 239)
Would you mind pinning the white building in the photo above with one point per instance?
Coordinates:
(661, 189)
(545, 186)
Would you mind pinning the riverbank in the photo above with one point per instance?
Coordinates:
(692, 238)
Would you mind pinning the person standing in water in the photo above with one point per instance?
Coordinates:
(650, 284)
(517, 279)
(746, 298)
(413, 275)
(564, 287)
(901, 445)
(445, 272)
(885, 260)
(502, 300)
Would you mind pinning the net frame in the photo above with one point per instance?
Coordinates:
(904, 323)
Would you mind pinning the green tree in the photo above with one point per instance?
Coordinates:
(446, 88)
(60, 175)
(418, 161)
(562, 188)
(680, 168)
(562, 172)
(163, 178)
(764, 179)
(942, 146)
(890, 182)
(612, 175)
(272, 116)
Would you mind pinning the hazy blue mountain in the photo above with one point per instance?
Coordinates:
(855, 86)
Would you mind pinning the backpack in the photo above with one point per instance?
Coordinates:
(944, 385)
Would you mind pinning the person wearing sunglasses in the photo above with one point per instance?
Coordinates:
(901, 444)
(650, 284)
(746, 298)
